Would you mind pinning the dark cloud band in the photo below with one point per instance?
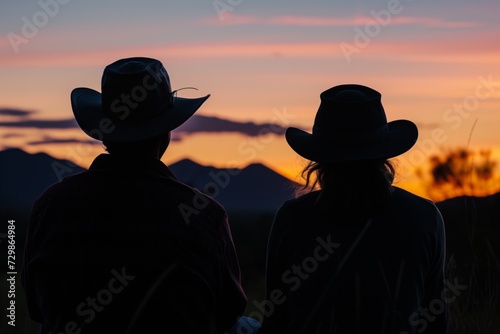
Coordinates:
(15, 112)
(196, 124)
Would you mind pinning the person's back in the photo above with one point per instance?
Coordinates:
(358, 255)
(366, 278)
(117, 236)
(126, 248)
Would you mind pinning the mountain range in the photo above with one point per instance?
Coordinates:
(255, 188)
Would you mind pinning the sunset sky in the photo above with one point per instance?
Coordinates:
(436, 63)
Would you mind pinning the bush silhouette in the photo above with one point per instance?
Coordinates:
(460, 172)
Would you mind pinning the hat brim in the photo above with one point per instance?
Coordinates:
(87, 109)
(401, 136)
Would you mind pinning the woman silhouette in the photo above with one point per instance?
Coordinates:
(355, 254)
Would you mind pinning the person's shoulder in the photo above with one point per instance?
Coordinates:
(212, 202)
(56, 192)
(408, 196)
(194, 204)
(62, 185)
(301, 202)
(420, 215)
(407, 200)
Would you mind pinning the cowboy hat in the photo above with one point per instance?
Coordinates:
(351, 125)
(136, 103)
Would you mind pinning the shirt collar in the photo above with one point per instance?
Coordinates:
(146, 164)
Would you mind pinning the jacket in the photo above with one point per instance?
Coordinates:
(383, 276)
(126, 248)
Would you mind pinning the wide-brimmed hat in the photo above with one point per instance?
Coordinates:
(136, 103)
(351, 125)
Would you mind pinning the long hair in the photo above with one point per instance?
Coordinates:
(357, 190)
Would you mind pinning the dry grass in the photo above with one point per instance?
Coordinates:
(477, 309)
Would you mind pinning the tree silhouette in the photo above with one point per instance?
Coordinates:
(459, 172)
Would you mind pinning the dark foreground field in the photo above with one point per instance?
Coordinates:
(473, 254)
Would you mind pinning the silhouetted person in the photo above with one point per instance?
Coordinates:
(124, 247)
(355, 254)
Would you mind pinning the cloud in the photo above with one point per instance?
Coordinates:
(232, 19)
(433, 22)
(455, 49)
(310, 21)
(42, 124)
(196, 124)
(15, 112)
(180, 51)
(211, 124)
(22, 120)
(318, 21)
(52, 140)
(12, 135)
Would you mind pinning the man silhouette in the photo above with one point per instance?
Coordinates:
(111, 250)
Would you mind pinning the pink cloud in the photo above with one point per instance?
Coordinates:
(314, 21)
(230, 49)
(361, 20)
(479, 47)
(311, 21)
(432, 22)
(232, 19)
(481, 50)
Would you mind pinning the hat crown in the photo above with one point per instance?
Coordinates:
(132, 66)
(350, 95)
(135, 89)
(349, 111)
